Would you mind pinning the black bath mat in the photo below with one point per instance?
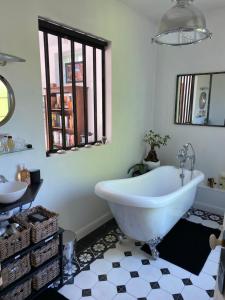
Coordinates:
(186, 245)
(51, 294)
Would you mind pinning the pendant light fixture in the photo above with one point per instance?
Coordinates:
(183, 24)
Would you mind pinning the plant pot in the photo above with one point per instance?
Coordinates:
(151, 164)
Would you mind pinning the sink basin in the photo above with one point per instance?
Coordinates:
(12, 191)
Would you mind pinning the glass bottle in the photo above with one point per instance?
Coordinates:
(10, 143)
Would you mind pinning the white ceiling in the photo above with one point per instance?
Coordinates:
(154, 9)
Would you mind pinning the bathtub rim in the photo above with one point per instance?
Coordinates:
(125, 199)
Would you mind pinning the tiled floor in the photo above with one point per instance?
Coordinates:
(122, 271)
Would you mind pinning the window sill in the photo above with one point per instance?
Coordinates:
(76, 149)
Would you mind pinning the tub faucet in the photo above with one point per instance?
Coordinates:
(183, 156)
(191, 157)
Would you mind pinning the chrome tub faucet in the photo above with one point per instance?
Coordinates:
(183, 156)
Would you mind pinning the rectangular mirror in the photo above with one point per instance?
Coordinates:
(200, 99)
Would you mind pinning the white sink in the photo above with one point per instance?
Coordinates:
(12, 191)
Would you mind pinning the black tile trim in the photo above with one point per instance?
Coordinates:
(86, 293)
(134, 274)
(165, 271)
(102, 277)
(210, 293)
(121, 289)
(178, 297)
(187, 281)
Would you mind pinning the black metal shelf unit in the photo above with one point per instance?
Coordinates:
(27, 198)
(33, 271)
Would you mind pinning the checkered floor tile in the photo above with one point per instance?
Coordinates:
(111, 270)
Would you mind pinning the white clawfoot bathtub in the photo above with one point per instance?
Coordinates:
(148, 206)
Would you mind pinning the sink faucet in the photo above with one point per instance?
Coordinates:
(3, 179)
(183, 156)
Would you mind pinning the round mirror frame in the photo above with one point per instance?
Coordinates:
(11, 99)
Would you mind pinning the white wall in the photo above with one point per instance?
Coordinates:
(207, 56)
(69, 180)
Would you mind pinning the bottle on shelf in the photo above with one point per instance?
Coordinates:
(222, 180)
(10, 143)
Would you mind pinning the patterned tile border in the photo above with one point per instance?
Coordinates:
(99, 246)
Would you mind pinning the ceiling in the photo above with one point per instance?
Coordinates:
(154, 9)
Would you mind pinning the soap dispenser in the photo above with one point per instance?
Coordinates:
(23, 175)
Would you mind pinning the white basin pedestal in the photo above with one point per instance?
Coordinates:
(12, 191)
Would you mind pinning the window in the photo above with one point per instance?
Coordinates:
(73, 86)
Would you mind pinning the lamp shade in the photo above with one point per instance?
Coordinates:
(183, 24)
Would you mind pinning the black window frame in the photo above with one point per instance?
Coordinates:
(74, 36)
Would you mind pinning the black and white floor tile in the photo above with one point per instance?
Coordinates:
(109, 270)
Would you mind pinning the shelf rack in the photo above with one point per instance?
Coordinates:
(33, 271)
(27, 198)
(15, 151)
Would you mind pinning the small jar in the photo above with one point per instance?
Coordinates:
(5, 143)
(2, 147)
(10, 143)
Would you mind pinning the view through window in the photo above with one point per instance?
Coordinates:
(73, 86)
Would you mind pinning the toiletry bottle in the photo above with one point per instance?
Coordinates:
(23, 175)
(5, 143)
(10, 143)
(222, 180)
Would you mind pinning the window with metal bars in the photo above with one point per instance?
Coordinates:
(73, 86)
(185, 89)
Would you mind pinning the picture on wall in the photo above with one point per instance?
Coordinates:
(78, 72)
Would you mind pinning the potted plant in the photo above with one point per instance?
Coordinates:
(154, 140)
(138, 169)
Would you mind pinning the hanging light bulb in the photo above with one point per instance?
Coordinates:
(183, 24)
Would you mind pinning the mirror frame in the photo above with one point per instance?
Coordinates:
(11, 99)
(176, 100)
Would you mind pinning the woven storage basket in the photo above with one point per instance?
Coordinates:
(15, 242)
(44, 253)
(20, 292)
(15, 270)
(45, 275)
(40, 230)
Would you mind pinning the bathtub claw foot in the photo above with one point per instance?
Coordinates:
(121, 237)
(152, 245)
(187, 215)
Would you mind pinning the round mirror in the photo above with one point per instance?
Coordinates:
(7, 101)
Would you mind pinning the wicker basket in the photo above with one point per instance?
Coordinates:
(44, 253)
(15, 270)
(45, 275)
(15, 242)
(40, 230)
(20, 292)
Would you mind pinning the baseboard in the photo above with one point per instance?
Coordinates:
(210, 208)
(82, 232)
